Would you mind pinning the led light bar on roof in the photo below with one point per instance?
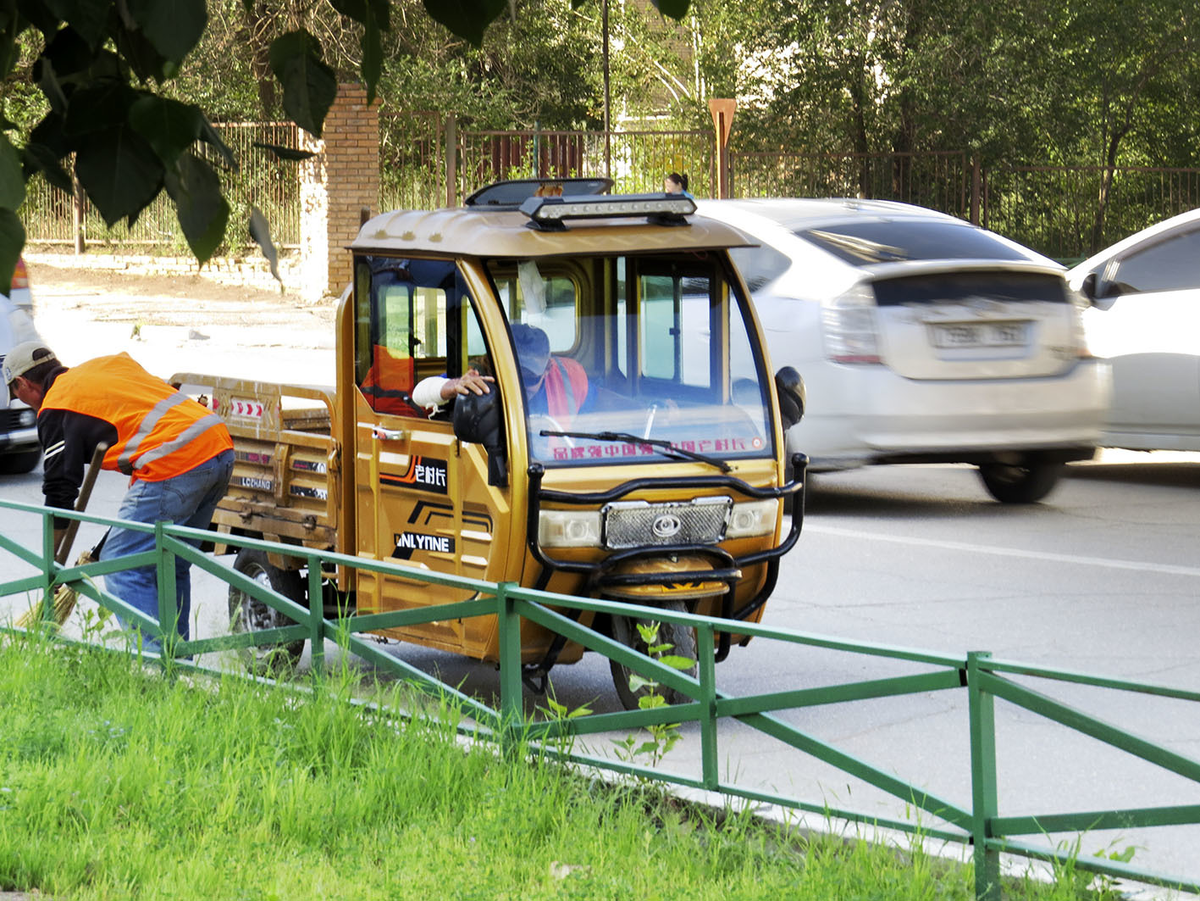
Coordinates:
(550, 213)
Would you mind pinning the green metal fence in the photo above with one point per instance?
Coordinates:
(985, 680)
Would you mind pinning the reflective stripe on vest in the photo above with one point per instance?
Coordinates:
(160, 432)
(197, 428)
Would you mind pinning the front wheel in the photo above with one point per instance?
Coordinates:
(248, 614)
(682, 639)
(1026, 482)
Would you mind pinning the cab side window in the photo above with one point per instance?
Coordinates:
(675, 307)
(404, 309)
(1169, 265)
(547, 301)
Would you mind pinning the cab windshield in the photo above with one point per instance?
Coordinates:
(638, 358)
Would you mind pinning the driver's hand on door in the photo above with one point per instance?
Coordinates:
(470, 382)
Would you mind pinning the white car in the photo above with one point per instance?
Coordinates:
(1145, 317)
(20, 450)
(921, 339)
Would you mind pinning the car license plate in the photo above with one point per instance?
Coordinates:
(981, 334)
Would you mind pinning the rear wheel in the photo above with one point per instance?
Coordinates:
(248, 614)
(1025, 482)
(683, 639)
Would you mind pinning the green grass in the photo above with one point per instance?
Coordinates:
(116, 782)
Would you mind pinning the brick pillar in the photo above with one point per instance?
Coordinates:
(334, 187)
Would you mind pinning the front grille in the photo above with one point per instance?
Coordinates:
(10, 420)
(631, 524)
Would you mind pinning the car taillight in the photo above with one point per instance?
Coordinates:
(849, 325)
(1079, 303)
(20, 279)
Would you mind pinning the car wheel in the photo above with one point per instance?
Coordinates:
(1026, 482)
(16, 464)
(248, 614)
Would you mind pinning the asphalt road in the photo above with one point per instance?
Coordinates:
(1103, 577)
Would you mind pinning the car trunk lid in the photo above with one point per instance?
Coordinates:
(972, 322)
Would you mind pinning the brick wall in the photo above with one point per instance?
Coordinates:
(334, 187)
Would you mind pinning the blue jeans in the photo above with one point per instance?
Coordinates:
(188, 499)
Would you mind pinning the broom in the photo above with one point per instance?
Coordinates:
(66, 596)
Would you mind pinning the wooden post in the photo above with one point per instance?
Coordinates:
(722, 116)
(77, 213)
(451, 160)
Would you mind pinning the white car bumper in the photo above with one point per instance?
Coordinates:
(865, 414)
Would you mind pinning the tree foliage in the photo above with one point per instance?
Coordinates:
(105, 70)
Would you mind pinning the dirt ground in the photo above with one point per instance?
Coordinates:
(150, 292)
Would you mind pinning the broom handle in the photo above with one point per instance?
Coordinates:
(85, 493)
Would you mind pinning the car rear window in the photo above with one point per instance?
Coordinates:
(957, 286)
(760, 265)
(865, 242)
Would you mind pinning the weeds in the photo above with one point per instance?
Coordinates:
(663, 736)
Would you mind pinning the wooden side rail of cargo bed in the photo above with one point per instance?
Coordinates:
(285, 483)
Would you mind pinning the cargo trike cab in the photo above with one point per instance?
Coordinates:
(629, 445)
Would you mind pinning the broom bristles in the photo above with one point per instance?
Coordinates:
(64, 601)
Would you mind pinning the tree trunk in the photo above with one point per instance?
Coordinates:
(1106, 180)
(258, 33)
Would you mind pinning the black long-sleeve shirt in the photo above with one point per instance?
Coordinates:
(69, 440)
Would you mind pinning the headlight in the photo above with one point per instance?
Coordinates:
(27, 418)
(752, 518)
(569, 528)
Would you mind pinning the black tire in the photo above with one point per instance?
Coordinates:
(683, 638)
(1020, 483)
(247, 614)
(18, 464)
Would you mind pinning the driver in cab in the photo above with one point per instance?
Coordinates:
(554, 386)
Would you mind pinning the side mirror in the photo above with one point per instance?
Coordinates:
(792, 396)
(477, 421)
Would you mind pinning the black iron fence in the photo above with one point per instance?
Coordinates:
(940, 181)
(1066, 212)
(637, 161)
(261, 180)
(1059, 210)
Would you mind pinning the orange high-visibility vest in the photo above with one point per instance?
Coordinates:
(389, 383)
(160, 432)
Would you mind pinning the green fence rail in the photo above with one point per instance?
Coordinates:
(977, 824)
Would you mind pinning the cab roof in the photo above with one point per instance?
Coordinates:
(481, 232)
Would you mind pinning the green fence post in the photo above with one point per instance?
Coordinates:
(707, 671)
(168, 606)
(47, 607)
(512, 706)
(982, 713)
(316, 612)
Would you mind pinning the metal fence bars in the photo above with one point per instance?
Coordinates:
(940, 181)
(637, 161)
(262, 179)
(1071, 212)
(412, 160)
(977, 824)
